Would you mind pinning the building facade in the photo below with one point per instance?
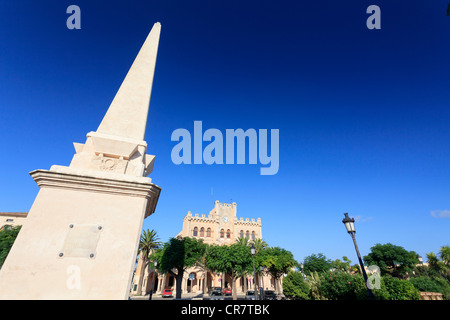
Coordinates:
(12, 219)
(221, 226)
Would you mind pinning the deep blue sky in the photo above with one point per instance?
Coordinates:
(363, 114)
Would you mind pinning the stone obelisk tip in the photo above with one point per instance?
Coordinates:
(127, 114)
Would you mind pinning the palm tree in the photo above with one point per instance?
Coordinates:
(203, 263)
(445, 255)
(149, 242)
(259, 244)
(243, 241)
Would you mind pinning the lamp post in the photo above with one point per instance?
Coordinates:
(153, 280)
(253, 251)
(261, 297)
(350, 226)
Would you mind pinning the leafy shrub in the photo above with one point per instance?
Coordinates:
(338, 286)
(443, 283)
(432, 284)
(380, 293)
(400, 289)
(313, 281)
(295, 287)
(345, 286)
(426, 284)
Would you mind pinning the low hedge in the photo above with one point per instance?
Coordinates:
(341, 285)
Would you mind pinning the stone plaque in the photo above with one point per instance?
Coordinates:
(81, 241)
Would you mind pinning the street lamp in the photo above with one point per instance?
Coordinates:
(253, 251)
(261, 297)
(350, 226)
(153, 280)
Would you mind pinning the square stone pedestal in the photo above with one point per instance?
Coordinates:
(81, 236)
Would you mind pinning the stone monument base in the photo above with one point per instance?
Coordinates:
(81, 234)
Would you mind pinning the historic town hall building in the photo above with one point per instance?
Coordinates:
(220, 226)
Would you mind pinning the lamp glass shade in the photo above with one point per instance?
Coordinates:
(350, 226)
(349, 223)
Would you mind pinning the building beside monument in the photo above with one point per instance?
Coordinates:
(12, 219)
(221, 226)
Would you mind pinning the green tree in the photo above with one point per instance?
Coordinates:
(355, 269)
(149, 241)
(316, 263)
(203, 263)
(295, 287)
(344, 265)
(177, 255)
(391, 259)
(444, 253)
(439, 268)
(259, 244)
(436, 268)
(7, 237)
(277, 262)
(243, 241)
(234, 260)
(433, 262)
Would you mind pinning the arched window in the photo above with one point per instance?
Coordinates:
(202, 232)
(221, 233)
(228, 234)
(247, 234)
(195, 232)
(253, 235)
(241, 234)
(208, 232)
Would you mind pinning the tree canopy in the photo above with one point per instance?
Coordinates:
(177, 255)
(235, 260)
(440, 267)
(7, 237)
(316, 263)
(276, 260)
(392, 259)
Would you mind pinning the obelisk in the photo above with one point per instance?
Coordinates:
(81, 236)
